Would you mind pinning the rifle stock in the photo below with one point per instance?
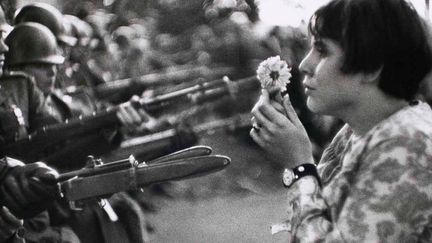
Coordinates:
(29, 148)
(96, 182)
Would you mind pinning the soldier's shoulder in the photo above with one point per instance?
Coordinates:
(15, 75)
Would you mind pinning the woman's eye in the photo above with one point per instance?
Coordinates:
(321, 50)
(319, 46)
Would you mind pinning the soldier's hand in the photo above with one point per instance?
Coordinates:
(27, 190)
(185, 136)
(134, 118)
(9, 224)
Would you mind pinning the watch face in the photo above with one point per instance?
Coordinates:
(288, 177)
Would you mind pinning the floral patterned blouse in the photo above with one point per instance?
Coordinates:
(376, 188)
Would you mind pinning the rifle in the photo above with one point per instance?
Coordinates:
(129, 86)
(156, 144)
(53, 134)
(99, 180)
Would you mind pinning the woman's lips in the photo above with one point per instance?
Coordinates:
(308, 89)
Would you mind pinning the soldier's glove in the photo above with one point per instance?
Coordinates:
(9, 225)
(28, 190)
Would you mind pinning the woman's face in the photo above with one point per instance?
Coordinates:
(328, 90)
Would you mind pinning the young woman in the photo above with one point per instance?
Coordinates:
(374, 181)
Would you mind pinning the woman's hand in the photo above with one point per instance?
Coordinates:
(278, 130)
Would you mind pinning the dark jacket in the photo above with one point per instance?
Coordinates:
(24, 109)
(21, 103)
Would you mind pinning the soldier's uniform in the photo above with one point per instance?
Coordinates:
(21, 105)
(73, 152)
(6, 165)
(31, 110)
(24, 108)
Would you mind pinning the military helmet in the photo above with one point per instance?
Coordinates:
(47, 15)
(80, 29)
(31, 43)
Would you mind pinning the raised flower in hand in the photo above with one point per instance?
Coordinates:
(274, 74)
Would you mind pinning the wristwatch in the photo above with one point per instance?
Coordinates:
(292, 175)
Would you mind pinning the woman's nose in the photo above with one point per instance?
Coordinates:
(306, 66)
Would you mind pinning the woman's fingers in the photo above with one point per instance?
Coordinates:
(261, 120)
(266, 115)
(255, 125)
(290, 111)
(261, 137)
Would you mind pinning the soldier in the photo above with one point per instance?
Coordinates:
(63, 29)
(77, 70)
(40, 58)
(25, 190)
(53, 19)
(48, 16)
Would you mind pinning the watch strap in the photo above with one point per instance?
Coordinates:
(300, 171)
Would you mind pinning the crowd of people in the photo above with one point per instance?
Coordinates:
(362, 74)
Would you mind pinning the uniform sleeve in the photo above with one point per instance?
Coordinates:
(388, 200)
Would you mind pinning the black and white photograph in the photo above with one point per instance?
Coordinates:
(215, 121)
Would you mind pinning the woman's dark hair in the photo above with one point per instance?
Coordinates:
(374, 34)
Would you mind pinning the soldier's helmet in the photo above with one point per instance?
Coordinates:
(47, 15)
(31, 43)
(80, 29)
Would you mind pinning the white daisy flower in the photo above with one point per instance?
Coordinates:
(274, 73)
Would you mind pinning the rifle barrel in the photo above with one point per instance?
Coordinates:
(138, 84)
(232, 122)
(202, 92)
(29, 148)
(104, 168)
